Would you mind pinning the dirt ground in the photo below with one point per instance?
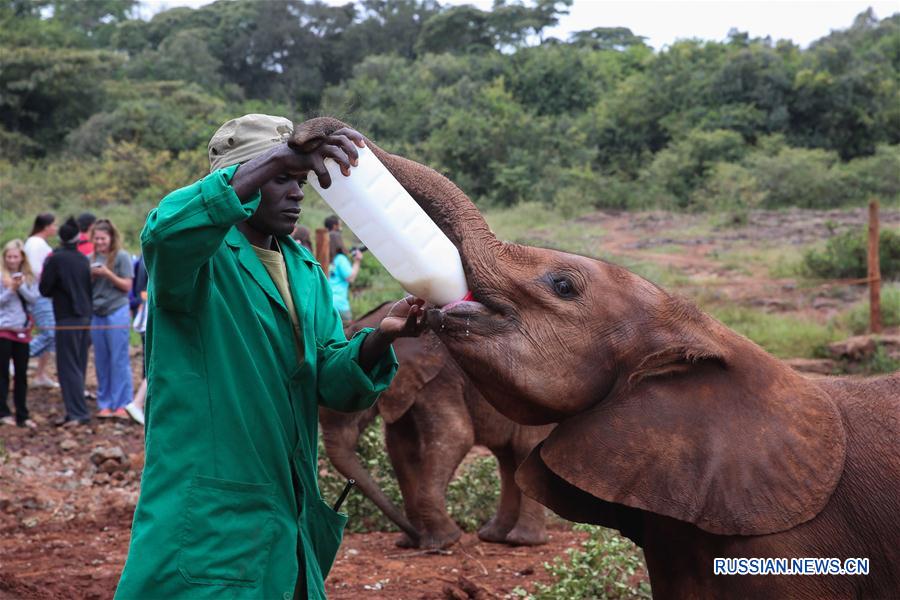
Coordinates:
(67, 497)
(733, 262)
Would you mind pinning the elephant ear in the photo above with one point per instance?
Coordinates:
(538, 482)
(421, 360)
(740, 447)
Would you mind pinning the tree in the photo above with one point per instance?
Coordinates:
(462, 29)
(46, 92)
(553, 80)
(618, 39)
(94, 18)
(182, 56)
(846, 94)
(390, 26)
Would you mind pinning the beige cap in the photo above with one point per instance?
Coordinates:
(241, 139)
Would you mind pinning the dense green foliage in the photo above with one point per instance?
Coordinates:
(846, 256)
(605, 566)
(114, 110)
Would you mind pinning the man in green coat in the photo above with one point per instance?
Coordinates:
(243, 345)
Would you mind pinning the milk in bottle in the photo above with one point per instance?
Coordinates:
(388, 221)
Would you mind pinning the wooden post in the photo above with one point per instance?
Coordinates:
(323, 249)
(874, 271)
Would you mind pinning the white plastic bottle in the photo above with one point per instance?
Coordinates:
(402, 237)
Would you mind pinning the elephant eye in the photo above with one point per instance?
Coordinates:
(564, 287)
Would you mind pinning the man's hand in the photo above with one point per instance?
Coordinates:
(405, 319)
(341, 146)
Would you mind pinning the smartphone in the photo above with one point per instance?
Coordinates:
(17, 275)
(96, 265)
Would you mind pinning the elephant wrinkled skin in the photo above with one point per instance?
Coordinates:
(682, 434)
(433, 416)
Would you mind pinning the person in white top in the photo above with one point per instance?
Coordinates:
(37, 249)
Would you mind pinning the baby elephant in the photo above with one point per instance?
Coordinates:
(672, 428)
(433, 416)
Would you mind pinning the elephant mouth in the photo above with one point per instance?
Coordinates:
(464, 307)
(466, 318)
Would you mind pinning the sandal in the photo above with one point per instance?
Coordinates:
(7, 421)
(28, 424)
(105, 413)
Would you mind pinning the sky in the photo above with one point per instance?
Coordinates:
(664, 21)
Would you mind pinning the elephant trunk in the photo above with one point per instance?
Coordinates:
(447, 205)
(340, 440)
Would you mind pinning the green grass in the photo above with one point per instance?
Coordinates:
(665, 276)
(785, 336)
(535, 224)
(382, 290)
(857, 318)
(670, 248)
(512, 223)
(778, 261)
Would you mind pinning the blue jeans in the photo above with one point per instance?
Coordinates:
(43, 317)
(111, 359)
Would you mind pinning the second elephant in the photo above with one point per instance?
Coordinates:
(433, 416)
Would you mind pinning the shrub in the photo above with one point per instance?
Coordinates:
(880, 362)
(796, 177)
(733, 188)
(685, 165)
(472, 495)
(606, 566)
(845, 256)
(873, 176)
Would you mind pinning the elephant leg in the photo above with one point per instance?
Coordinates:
(497, 529)
(531, 524)
(405, 451)
(340, 432)
(447, 437)
(531, 528)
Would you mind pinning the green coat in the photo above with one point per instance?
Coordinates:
(229, 496)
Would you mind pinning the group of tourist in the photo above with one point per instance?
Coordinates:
(82, 293)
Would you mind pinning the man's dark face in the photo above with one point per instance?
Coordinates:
(279, 208)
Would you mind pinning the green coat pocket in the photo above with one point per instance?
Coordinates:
(227, 533)
(326, 530)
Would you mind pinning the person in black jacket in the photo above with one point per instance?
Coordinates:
(67, 279)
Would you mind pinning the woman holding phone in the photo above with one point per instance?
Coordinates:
(37, 249)
(18, 294)
(111, 274)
